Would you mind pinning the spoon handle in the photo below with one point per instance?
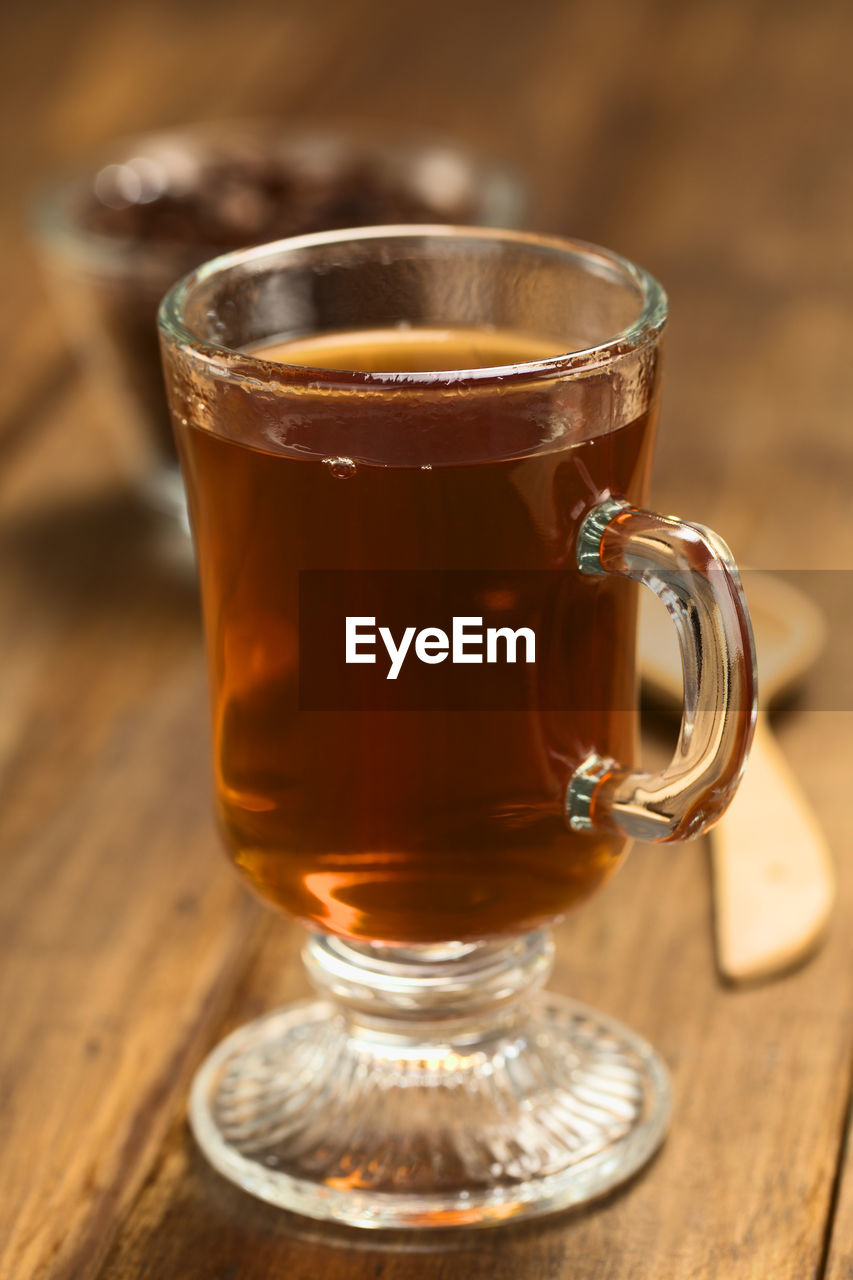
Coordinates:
(773, 872)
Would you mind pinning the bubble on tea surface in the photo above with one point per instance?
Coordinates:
(341, 468)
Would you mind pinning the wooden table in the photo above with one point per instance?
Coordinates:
(712, 143)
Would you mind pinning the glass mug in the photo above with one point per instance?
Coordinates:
(453, 446)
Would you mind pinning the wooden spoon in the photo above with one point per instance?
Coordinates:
(774, 881)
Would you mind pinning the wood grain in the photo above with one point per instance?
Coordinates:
(723, 1199)
(711, 142)
(121, 932)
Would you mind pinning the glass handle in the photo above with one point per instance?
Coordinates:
(692, 571)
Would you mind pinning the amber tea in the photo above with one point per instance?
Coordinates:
(414, 823)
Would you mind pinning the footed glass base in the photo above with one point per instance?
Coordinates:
(359, 1108)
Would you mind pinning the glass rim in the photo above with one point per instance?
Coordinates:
(240, 365)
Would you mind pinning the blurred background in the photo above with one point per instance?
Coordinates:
(711, 142)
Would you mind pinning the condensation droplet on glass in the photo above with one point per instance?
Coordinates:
(341, 468)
